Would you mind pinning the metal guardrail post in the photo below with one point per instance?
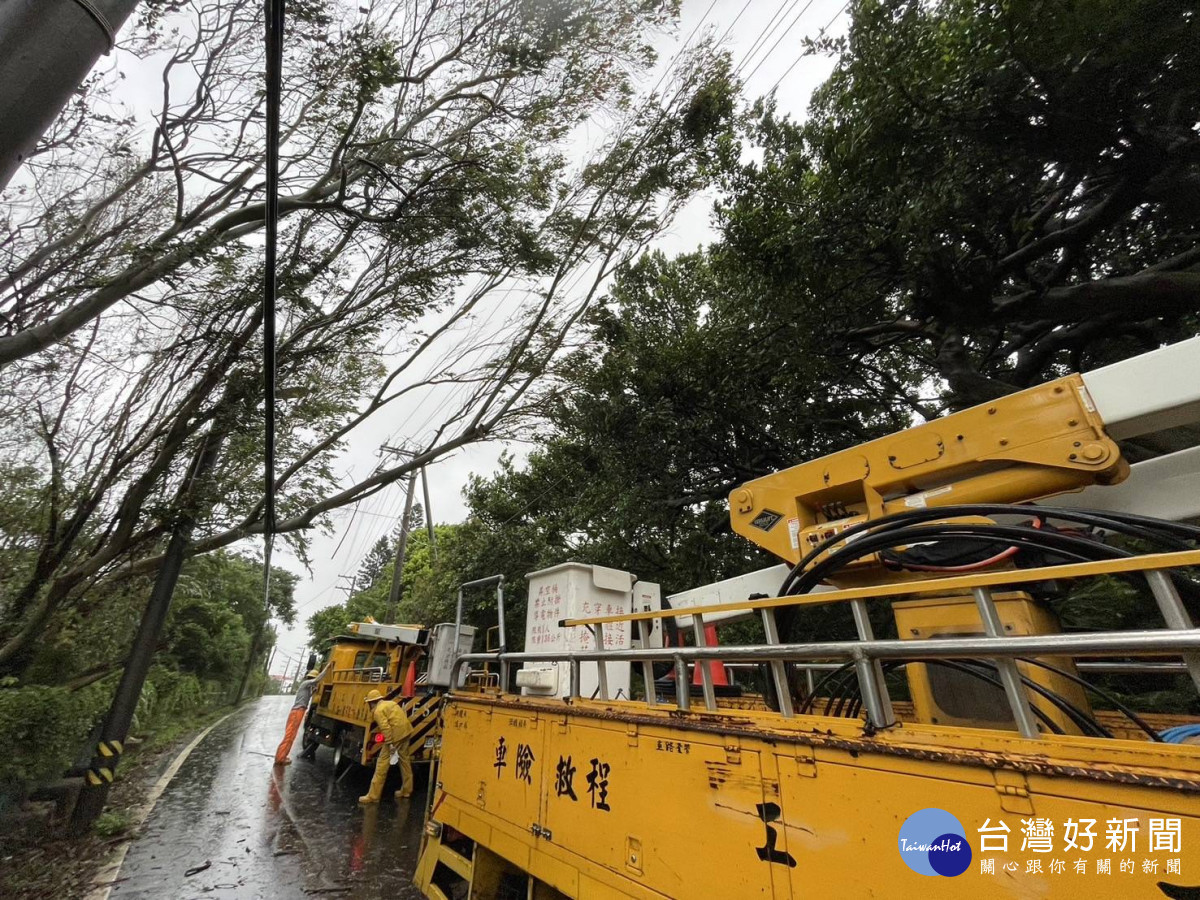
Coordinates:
(1010, 675)
(870, 673)
(575, 686)
(458, 613)
(648, 666)
(683, 697)
(877, 713)
(1175, 614)
(503, 640)
(706, 681)
(601, 666)
(783, 691)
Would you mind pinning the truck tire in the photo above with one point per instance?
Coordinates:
(309, 744)
(339, 758)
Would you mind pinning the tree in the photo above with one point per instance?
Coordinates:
(689, 382)
(379, 560)
(425, 187)
(218, 608)
(999, 191)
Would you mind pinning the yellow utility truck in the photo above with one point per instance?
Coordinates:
(411, 663)
(970, 748)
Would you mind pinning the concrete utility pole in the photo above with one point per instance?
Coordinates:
(402, 544)
(98, 780)
(401, 549)
(428, 515)
(353, 579)
(47, 48)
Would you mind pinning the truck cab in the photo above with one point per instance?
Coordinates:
(407, 663)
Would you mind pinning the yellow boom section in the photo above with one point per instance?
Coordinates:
(1023, 447)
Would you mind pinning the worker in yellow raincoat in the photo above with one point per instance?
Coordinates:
(393, 724)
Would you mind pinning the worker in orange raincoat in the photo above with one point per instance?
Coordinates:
(393, 724)
(295, 718)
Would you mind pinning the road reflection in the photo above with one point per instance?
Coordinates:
(231, 825)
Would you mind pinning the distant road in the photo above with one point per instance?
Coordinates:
(248, 830)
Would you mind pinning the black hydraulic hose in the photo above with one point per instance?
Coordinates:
(838, 692)
(1085, 722)
(983, 676)
(848, 689)
(951, 664)
(1064, 545)
(1125, 523)
(1087, 685)
(808, 701)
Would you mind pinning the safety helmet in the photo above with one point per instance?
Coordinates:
(373, 696)
(313, 673)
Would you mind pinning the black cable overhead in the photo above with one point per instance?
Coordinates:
(274, 10)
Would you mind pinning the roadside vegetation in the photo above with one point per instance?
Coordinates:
(430, 179)
(47, 719)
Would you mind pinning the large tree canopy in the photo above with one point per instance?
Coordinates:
(439, 242)
(997, 189)
(689, 382)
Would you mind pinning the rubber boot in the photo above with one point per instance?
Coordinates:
(383, 762)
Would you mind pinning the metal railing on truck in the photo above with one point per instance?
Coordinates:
(1180, 638)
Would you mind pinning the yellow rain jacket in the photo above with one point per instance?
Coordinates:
(392, 722)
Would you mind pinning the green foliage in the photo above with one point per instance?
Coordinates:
(112, 823)
(379, 561)
(42, 730)
(690, 384)
(997, 190)
(217, 609)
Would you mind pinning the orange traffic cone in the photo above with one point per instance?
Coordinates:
(410, 682)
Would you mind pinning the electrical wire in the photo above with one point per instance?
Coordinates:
(1100, 692)
(785, 8)
(1061, 545)
(785, 33)
(807, 53)
(274, 16)
(1172, 534)
(898, 562)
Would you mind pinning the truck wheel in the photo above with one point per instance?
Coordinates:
(309, 744)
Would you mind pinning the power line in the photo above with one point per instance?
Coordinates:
(778, 40)
(808, 53)
(729, 27)
(765, 34)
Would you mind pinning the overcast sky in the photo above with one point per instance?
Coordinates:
(776, 60)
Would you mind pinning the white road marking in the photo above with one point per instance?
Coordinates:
(107, 877)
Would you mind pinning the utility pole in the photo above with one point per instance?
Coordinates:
(428, 515)
(111, 744)
(353, 579)
(402, 545)
(47, 48)
(256, 641)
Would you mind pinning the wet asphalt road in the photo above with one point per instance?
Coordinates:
(266, 832)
